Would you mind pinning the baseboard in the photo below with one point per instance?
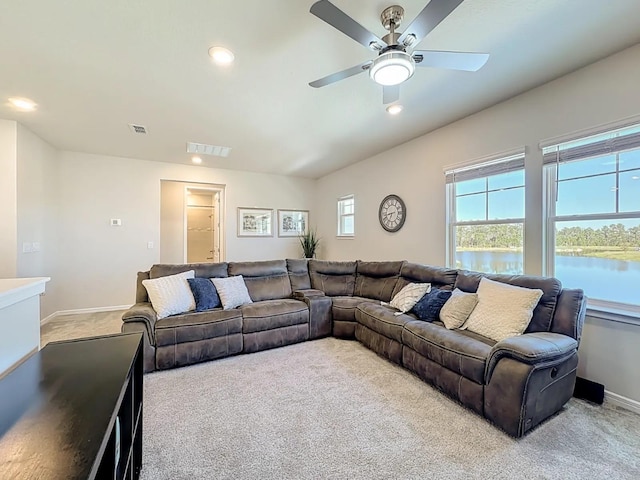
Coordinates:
(79, 311)
(622, 402)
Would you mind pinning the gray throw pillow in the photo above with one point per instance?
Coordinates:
(457, 309)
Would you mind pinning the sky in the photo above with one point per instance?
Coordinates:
(578, 192)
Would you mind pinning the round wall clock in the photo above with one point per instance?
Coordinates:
(392, 213)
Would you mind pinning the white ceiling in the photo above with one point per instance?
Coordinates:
(94, 66)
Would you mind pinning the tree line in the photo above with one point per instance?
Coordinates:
(511, 236)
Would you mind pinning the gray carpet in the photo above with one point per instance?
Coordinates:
(333, 409)
(67, 327)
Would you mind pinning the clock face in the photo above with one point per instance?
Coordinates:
(392, 213)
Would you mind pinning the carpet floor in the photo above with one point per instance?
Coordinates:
(68, 327)
(332, 409)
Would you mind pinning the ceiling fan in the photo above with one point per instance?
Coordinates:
(396, 61)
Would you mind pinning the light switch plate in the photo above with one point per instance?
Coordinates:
(149, 245)
(116, 222)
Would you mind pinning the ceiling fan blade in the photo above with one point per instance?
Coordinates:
(336, 77)
(470, 62)
(335, 17)
(428, 19)
(390, 94)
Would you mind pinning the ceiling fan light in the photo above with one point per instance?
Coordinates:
(392, 68)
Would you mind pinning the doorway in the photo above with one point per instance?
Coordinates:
(191, 222)
(202, 229)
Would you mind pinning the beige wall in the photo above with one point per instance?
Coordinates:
(171, 222)
(98, 263)
(37, 212)
(600, 93)
(8, 200)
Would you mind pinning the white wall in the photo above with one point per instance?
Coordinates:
(36, 208)
(600, 93)
(98, 263)
(8, 199)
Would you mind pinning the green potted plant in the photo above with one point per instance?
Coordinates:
(309, 243)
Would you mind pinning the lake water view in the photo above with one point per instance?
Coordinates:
(601, 278)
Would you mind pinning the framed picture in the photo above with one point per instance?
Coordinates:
(255, 222)
(292, 223)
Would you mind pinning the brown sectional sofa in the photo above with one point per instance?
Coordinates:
(516, 383)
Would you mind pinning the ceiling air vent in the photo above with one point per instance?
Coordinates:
(203, 149)
(138, 128)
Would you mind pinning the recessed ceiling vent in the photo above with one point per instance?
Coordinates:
(203, 149)
(138, 129)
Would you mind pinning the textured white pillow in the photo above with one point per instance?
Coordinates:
(170, 295)
(232, 291)
(406, 298)
(503, 310)
(457, 309)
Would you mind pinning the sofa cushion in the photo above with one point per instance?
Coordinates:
(376, 279)
(457, 309)
(266, 280)
(406, 298)
(298, 269)
(270, 314)
(204, 293)
(442, 278)
(503, 310)
(344, 308)
(382, 319)
(463, 354)
(543, 313)
(171, 295)
(202, 270)
(232, 291)
(333, 278)
(429, 306)
(195, 326)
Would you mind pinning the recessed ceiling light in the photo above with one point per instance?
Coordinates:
(196, 160)
(394, 109)
(221, 55)
(23, 104)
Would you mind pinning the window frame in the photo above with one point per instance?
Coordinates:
(551, 183)
(341, 216)
(451, 213)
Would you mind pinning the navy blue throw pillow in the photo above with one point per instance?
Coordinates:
(429, 306)
(205, 294)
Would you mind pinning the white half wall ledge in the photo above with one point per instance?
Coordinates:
(19, 320)
(622, 402)
(80, 311)
(14, 290)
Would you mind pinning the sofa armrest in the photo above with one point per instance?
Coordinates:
(320, 318)
(307, 293)
(144, 313)
(531, 348)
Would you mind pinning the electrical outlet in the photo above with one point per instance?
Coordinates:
(116, 222)
(149, 245)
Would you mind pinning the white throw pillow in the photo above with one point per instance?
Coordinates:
(457, 309)
(503, 310)
(171, 295)
(406, 298)
(232, 291)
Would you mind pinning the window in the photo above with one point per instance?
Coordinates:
(593, 216)
(486, 215)
(346, 216)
